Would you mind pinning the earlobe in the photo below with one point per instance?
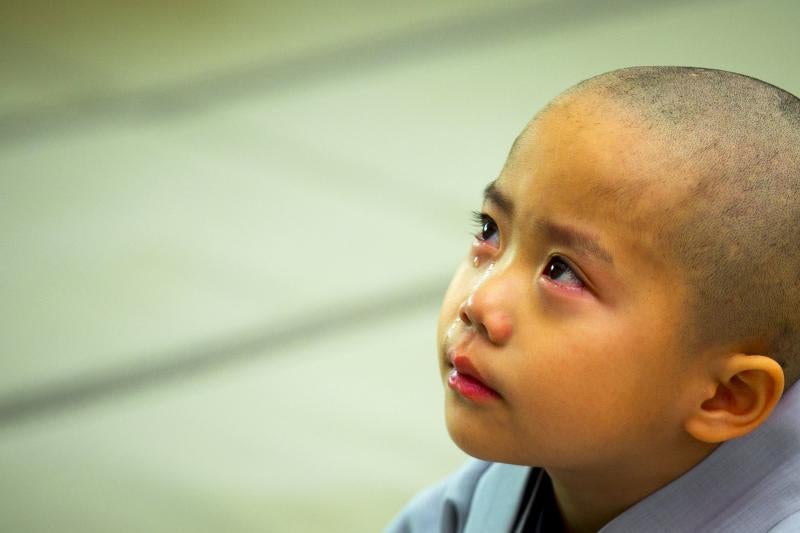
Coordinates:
(744, 393)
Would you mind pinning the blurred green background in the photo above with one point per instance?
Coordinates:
(226, 228)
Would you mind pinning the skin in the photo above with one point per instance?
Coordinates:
(594, 383)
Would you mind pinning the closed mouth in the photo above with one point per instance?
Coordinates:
(466, 378)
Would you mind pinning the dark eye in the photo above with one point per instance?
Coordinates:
(487, 228)
(561, 273)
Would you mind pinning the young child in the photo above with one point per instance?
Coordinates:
(617, 348)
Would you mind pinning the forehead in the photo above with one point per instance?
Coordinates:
(590, 164)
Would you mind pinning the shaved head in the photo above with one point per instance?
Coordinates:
(729, 150)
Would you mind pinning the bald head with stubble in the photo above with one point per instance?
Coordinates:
(723, 201)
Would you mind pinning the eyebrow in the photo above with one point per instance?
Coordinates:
(565, 235)
(574, 239)
(492, 194)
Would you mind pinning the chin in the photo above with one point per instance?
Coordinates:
(474, 439)
(494, 443)
(473, 448)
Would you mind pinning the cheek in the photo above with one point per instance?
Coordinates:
(622, 379)
(588, 375)
(453, 298)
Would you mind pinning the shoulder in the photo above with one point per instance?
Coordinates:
(470, 492)
(443, 506)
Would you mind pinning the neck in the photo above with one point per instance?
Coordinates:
(590, 498)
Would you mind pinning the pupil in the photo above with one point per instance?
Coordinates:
(556, 269)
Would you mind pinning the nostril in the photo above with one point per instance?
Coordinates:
(488, 315)
(463, 311)
(479, 326)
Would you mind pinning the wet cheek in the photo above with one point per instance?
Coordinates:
(455, 295)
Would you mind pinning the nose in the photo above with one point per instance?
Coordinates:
(487, 309)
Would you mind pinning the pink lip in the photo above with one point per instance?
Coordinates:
(465, 379)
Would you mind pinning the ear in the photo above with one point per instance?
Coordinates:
(742, 395)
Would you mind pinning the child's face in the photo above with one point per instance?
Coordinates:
(577, 337)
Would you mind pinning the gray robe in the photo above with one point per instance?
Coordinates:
(749, 485)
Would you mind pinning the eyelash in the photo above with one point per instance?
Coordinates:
(482, 219)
